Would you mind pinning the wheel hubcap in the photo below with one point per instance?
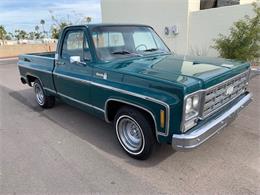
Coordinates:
(39, 94)
(130, 134)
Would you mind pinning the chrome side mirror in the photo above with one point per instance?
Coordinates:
(75, 59)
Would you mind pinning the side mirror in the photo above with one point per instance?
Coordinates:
(75, 59)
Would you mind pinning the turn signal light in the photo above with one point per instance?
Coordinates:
(162, 118)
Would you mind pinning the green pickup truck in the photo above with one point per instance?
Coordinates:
(126, 75)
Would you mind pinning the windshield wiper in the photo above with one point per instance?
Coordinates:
(151, 50)
(156, 49)
(125, 52)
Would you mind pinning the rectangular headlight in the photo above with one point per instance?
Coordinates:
(191, 111)
(192, 106)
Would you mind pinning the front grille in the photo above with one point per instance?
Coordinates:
(221, 94)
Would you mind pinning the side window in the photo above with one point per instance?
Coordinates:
(144, 40)
(75, 45)
(108, 39)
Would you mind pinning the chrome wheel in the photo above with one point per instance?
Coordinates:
(39, 94)
(130, 134)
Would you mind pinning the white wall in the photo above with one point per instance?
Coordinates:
(205, 25)
(197, 28)
(157, 13)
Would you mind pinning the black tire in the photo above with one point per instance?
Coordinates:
(134, 118)
(42, 99)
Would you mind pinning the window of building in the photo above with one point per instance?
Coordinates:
(207, 4)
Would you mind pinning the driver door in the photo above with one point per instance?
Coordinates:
(72, 78)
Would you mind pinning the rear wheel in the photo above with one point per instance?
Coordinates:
(41, 98)
(134, 132)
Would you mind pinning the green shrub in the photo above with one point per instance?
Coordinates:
(243, 42)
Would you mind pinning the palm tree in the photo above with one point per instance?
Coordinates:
(88, 19)
(37, 34)
(37, 28)
(42, 22)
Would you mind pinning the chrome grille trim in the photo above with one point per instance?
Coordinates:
(215, 97)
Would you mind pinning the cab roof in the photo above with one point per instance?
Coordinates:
(91, 26)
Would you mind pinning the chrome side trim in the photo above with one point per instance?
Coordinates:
(135, 105)
(194, 138)
(80, 102)
(72, 78)
(167, 107)
(32, 68)
(50, 90)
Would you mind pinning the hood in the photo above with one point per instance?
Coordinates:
(184, 70)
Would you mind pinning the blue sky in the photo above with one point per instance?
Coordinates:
(26, 14)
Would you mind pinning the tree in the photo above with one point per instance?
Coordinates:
(31, 35)
(60, 23)
(3, 33)
(243, 42)
(42, 22)
(20, 34)
(9, 36)
(37, 28)
(55, 30)
(88, 19)
(38, 34)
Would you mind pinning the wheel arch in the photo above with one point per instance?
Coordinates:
(31, 78)
(118, 103)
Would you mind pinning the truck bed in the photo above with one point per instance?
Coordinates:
(39, 65)
(44, 54)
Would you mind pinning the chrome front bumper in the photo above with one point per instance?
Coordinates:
(196, 137)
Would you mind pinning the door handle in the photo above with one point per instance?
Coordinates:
(27, 60)
(60, 63)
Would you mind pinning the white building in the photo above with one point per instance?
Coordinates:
(191, 30)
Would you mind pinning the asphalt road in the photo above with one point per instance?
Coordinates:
(64, 150)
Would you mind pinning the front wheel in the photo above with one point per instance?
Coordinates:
(42, 99)
(134, 132)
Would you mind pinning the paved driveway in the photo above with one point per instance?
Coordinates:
(63, 150)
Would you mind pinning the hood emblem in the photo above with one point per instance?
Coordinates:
(230, 90)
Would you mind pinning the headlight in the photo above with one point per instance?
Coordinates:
(192, 106)
(195, 101)
(188, 105)
(191, 111)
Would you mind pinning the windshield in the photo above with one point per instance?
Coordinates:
(113, 42)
